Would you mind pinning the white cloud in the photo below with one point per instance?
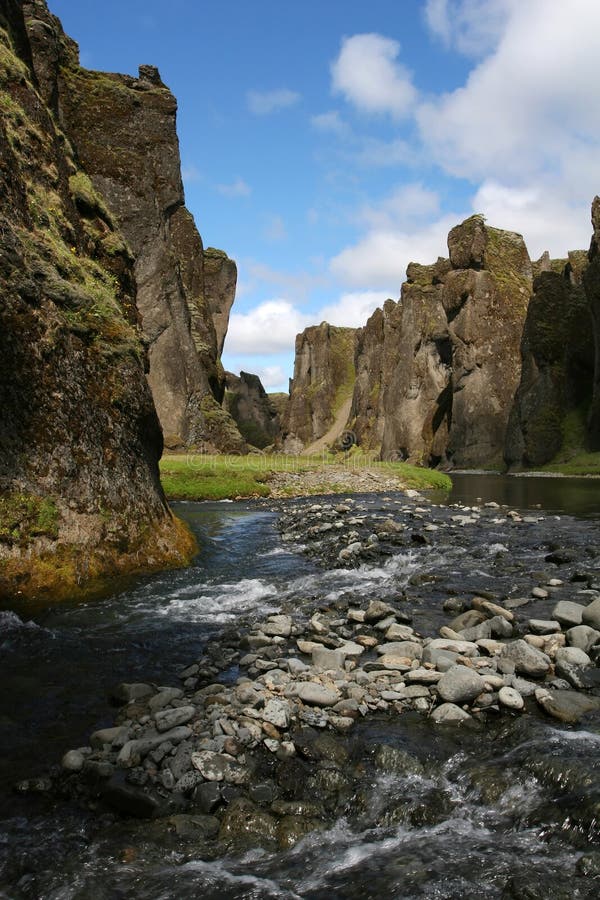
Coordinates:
(353, 309)
(271, 327)
(275, 229)
(546, 220)
(528, 108)
(237, 188)
(379, 153)
(271, 376)
(263, 103)
(404, 207)
(368, 75)
(381, 257)
(330, 122)
(472, 27)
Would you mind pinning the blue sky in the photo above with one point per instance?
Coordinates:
(327, 144)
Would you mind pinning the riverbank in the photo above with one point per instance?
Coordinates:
(317, 725)
(220, 477)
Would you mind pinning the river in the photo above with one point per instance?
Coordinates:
(513, 802)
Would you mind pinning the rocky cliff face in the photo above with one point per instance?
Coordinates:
(591, 283)
(79, 437)
(321, 389)
(437, 372)
(251, 408)
(184, 292)
(550, 407)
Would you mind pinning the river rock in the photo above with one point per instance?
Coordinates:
(219, 767)
(126, 692)
(409, 649)
(324, 659)
(526, 659)
(393, 760)
(583, 636)
(377, 610)
(567, 706)
(277, 712)
(510, 698)
(463, 648)
(460, 685)
(492, 609)
(468, 619)
(142, 746)
(351, 649)
(312, 693)
(163, 698)
(441, 659)
(171, 718)
(245, 823)
(543, 626)
(591, 614)
(278, 626)
(398, 632)
(568, 613)
(73, 761)
(115, 737)
(574, 656)
(449, 714)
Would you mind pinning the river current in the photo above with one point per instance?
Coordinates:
(506, 812)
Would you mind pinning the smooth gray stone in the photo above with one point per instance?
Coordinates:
(591, 614)
(460, 685)
(583, 636)
(568, 613)
(410, 649)
(312, 694)
(526, 659)
(166, 719)
(567, 706)
(449, 714)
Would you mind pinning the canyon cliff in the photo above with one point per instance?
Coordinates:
(436, 372)
(79, 436)
(123, 131)
(254, 412)
(321, 389)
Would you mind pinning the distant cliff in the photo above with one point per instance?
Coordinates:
(254, 412)
(436, 372)
(321, 389)
(80, 497)
(123, 131)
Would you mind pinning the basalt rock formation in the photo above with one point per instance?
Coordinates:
(321, 389)
(550, 408)
(123, 131)
(437, 371)
(253, 411)
(79, 436)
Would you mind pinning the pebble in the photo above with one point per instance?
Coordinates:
(510, 698)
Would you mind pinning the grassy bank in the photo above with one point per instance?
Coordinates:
(203, 477)
(581, 464)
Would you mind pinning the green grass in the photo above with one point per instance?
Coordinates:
(582, 464)
(26, 516)
(204, 477)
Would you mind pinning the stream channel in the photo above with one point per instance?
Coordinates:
(506, 810)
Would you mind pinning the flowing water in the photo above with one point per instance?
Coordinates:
(519, 800)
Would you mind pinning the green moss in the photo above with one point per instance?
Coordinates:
(24, 517)
(87, 199)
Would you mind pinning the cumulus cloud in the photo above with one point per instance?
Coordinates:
(367, 73)
(547, 220)
(472, 27)
(331, 122)
(237, 188)
(405, 206)
(271, 327)
(381, 257)
(263, 103)
(353, 309)
(530, 105)
(271, 376)
(374, 152)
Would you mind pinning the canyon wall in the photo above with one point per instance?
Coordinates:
(253, 411)
(321, 389)
(123, 131)
(80, 497)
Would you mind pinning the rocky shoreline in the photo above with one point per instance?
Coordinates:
(254, 745)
